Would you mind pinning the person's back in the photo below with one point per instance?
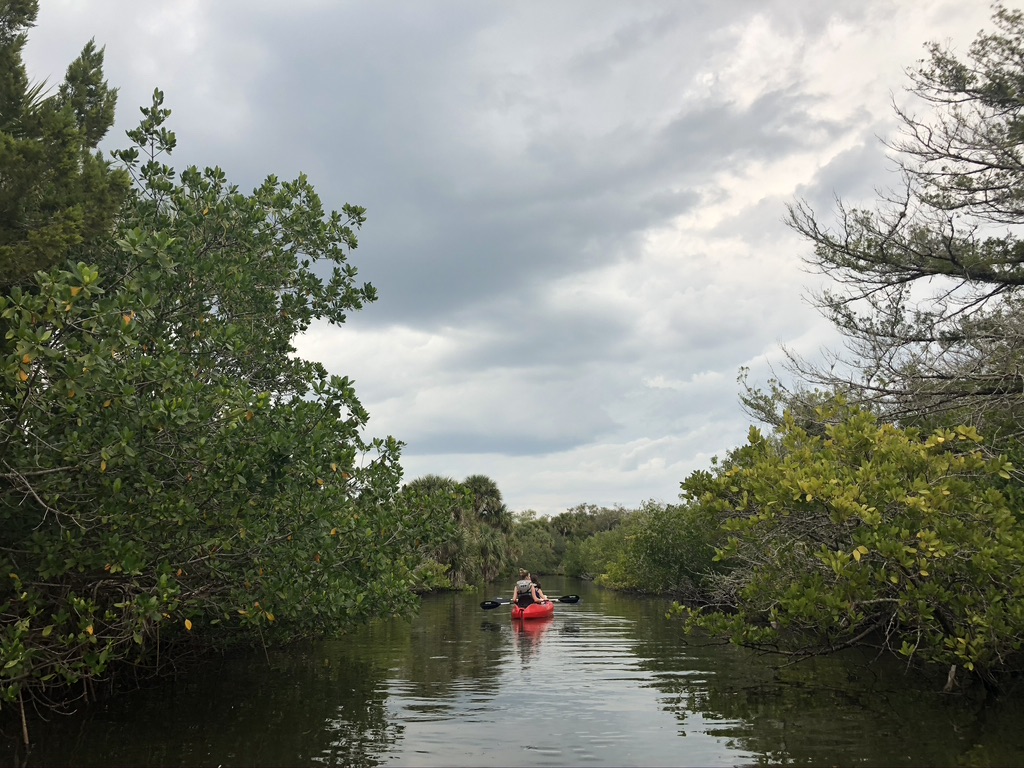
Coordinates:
(524, 594)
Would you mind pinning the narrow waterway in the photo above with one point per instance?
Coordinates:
(608, 681)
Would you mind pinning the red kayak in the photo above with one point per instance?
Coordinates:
(534, 610)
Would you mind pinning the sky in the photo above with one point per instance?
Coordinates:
(575, 208)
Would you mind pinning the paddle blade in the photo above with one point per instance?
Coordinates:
(489, 604)
(568, 599)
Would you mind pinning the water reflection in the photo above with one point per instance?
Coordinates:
(607, 681)
(528, 634)
(846, 709)
(300, 707)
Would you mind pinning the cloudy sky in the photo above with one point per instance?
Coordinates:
(574, 208)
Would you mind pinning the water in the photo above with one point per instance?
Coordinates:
(608, 681)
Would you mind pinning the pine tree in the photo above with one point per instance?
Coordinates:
(57, 192)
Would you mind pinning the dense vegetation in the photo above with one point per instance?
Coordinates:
(470, 542)
(172, 477)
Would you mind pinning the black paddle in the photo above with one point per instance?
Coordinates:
(488, 604)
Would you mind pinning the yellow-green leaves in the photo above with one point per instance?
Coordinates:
(884, 528)
(969, 434)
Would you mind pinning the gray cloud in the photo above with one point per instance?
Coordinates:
(574, 208)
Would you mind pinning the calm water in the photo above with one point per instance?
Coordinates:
(605, 682)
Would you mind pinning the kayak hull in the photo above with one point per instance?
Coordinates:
(534, 611)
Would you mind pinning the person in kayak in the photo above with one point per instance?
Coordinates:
(524, 593)
(540, 592)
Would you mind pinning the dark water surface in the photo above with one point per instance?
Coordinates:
(608, 681)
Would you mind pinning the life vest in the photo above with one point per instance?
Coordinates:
(524, 594)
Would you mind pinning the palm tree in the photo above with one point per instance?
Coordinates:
(487, 502)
